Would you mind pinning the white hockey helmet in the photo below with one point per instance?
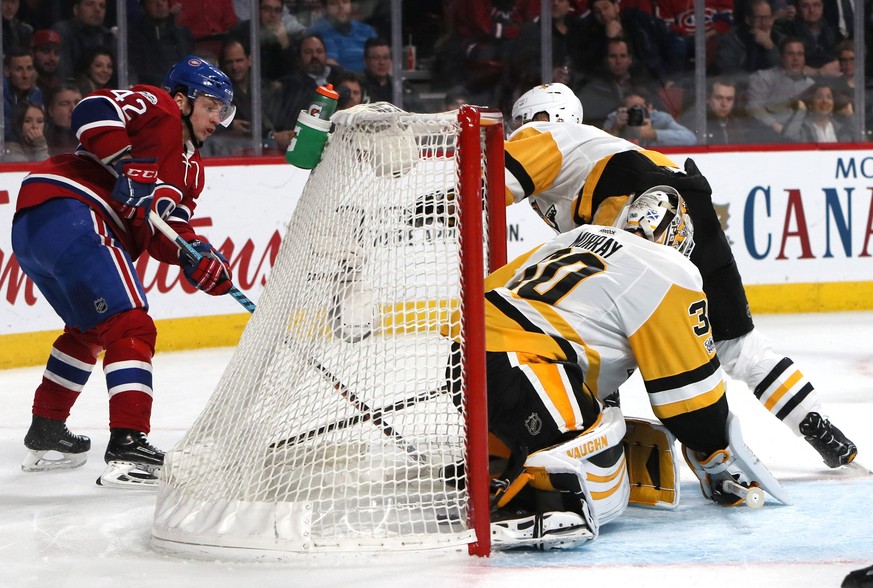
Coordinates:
(659, 214)
(556, 100)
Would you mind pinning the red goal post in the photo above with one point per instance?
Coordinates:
(353, 413)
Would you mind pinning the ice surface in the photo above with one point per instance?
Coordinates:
(60, 529)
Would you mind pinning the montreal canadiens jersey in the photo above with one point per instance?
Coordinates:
(146, 121)
(611, 302)
(549, 164)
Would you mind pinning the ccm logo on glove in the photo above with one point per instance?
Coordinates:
(136, 182)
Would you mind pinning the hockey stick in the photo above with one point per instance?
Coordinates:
(195, 255)
(364, 408)
(375, 415)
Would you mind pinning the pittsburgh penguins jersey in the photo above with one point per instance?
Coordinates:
(611, 302)
(557, 166)
(146, 121)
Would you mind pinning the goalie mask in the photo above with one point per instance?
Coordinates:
(659, 214)
(556, 100)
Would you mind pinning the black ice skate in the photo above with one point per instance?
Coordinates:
(46, 440)
(131, 461)
(862, 578)
(828, 440)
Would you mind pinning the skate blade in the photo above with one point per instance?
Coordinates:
(125, 474)
(49, 460)
(854, 468)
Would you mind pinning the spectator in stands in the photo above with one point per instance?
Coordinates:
(30, 128)
(235, 60)
(209, 22)
(157, 43)
(648, 39)
(603, 91)
(724, 125)
(343, 36)
(455, 98)
(638, 121)
(378, 81)
(844, 86)
(84, 31)
(751, 45)
(46, 45)
(59, 119)
(351, 89)
(816, 121)
(476, 53)
(96, 70)
(16, 33)
(294, 91)
(525, 50)
(679, 16)
(19, 88)
(819, 38)
(277, 38)
(840, 14)
(774, 94)
(41, 14)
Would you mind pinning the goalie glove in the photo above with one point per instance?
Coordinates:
(713, 471)
(210, 273)
(735, 463)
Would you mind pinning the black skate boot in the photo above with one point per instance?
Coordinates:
(131, 461)
(47, 435)
(828, 440)
(862, 578)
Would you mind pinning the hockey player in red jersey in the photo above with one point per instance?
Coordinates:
(81, 222)
(575, 174)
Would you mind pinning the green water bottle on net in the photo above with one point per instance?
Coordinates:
(313, 125)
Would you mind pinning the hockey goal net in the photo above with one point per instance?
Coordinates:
(352, 414)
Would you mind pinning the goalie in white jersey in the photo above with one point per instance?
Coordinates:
(575, 174)
(574, 318)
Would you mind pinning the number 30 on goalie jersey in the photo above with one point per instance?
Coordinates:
(612, 302)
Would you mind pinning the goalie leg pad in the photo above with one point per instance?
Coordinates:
(735, 463)
(652, 465)
(591, 465)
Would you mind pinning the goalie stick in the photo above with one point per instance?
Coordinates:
(195, 256)
(375, 416)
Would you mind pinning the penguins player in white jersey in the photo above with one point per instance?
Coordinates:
(574, 174)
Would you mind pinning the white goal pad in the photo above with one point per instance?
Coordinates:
(334, 426)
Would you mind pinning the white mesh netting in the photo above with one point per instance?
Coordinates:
(333, 424)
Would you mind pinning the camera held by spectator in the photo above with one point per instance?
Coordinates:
(636, 116)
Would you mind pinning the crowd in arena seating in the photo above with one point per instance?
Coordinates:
(776, 70)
